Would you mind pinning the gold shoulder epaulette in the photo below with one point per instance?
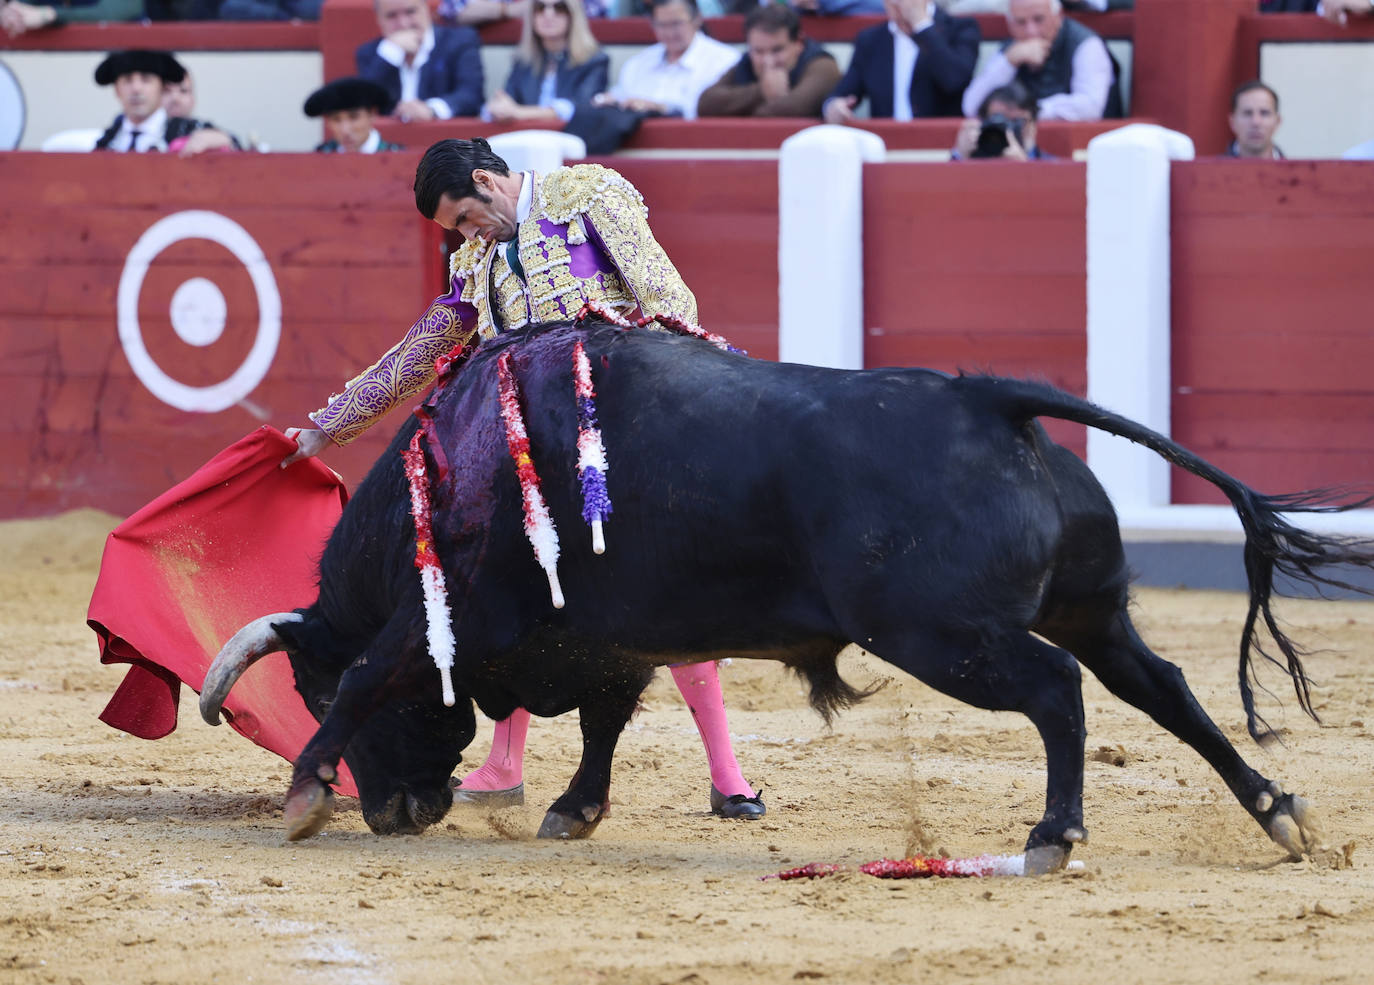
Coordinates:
(570, 191)
(464, 260)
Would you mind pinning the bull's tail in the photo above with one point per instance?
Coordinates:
(1271, 542)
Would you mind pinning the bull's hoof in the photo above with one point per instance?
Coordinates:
(1044, 859)
(1053, 856)
(1295, 827)
(308, 808)
(566, 826)
(510, 797)
(737, 805)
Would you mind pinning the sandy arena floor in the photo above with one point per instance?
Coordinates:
(123, 860)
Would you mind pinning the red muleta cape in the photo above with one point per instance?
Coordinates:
(239, 539)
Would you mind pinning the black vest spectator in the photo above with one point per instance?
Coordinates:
(1055, 75)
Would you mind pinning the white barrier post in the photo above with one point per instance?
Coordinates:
(820, 245)
(537, 150)
(1128, 303)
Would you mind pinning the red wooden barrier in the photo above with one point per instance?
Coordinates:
(972, 266)
(347, 252)
(1272, 353)
(78, 427)
(980, 267)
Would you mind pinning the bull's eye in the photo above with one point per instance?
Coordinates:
(324, 704)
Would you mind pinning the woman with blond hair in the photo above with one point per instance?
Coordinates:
(558, 66)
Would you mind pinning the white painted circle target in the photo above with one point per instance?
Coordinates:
(198, 311)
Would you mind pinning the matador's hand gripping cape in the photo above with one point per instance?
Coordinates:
(587, 238)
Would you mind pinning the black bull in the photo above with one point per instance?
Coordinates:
(760, 510)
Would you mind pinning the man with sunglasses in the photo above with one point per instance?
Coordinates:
(536, 248)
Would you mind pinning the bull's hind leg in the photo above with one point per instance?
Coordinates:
(1105, 640)
(1015, 671)
(381, 673)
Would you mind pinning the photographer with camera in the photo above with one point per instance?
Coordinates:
(1004, 128)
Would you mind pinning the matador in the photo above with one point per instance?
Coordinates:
(536, 248)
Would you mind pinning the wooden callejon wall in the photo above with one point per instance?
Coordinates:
(968, 266)
(79, 428)
(348, 256)
(1273, 357)
(980, 267)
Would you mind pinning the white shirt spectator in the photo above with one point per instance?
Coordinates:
(680, 84)
(904, 55)
(391, 52)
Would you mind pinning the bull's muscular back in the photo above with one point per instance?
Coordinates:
(759, 507)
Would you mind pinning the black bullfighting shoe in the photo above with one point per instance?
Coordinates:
(736, 805)
(510, 797)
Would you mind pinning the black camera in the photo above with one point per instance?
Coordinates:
(992, 138)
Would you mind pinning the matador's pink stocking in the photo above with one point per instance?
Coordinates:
(505, 765)
(700, 687)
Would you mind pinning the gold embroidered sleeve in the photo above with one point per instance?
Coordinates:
(619, 217)
(405, 369)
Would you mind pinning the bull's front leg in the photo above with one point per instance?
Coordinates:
(382, 672)
(582, 806)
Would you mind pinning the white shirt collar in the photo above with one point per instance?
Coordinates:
(391, 52)
(523, 203)
(151, 133)
(691, 58)
(370, 145)
(904, 55)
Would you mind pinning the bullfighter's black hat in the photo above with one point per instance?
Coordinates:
(348, 93)
(159, 63)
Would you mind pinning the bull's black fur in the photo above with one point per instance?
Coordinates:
(761, 510)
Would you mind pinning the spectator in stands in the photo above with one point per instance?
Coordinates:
(138, 77)
(707, 8)
(557, 67)
(966, 7)
(270, 10)
(1254, 120)
(485, 11)
(670, 76)
(916, 64)
(781, 73)
(840, 8)
(1340, 11)
(16, 17)
(1064, 65)
(1336, 11)
(350, 108)
(431, 72)
(179, 99)
(1004, 128)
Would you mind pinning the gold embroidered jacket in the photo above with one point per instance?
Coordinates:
(587, 238)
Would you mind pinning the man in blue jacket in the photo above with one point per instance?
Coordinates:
(432, 73)
(917, 64)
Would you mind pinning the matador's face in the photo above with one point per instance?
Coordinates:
(488, 214)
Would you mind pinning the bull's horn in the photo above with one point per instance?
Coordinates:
(247, 646)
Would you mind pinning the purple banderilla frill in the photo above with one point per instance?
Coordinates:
(591, 452)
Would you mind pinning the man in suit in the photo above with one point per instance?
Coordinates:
(917, 64)
(432, 73)
(138, 77)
